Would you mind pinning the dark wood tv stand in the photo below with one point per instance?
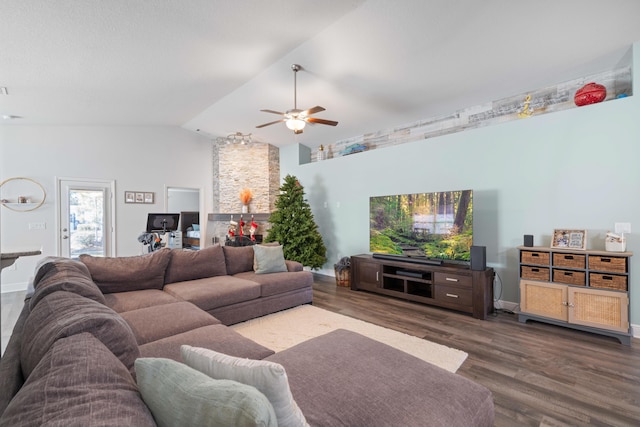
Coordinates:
(452, 286)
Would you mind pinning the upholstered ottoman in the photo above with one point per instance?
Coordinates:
(346, 379)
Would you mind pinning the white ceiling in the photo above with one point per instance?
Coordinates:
(213, 64)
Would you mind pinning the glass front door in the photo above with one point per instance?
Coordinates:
(85, 218)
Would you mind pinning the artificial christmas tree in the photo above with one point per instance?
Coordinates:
(292, 225)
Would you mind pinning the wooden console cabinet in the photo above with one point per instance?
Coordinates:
(585, 290)
(451, 286)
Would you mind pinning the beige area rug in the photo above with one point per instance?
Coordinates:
(285, 329)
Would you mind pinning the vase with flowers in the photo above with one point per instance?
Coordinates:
(245, 198)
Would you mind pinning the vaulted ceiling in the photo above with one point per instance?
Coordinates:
(211, 65)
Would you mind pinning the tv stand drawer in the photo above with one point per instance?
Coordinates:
(453, 279)
(454, 295)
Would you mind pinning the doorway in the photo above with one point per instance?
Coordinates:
(86, 220)
(186, 202)
(182, 199)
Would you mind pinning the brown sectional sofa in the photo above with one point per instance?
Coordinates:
(70, 360)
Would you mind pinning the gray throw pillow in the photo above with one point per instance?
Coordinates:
(268, 377)
(179, 396)
(268, 259)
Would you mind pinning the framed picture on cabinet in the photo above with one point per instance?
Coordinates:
(569, 239)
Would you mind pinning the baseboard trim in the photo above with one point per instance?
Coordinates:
(505, 305)
(14, 287)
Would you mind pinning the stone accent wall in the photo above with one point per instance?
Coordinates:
(235, 167)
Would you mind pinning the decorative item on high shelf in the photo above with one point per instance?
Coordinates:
(245, 197)
(321, 153)
(615, 243)
(526, 111)
(343, 272)
(591, 93)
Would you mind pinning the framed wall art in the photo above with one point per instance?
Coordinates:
(139, 197)
(569, 239)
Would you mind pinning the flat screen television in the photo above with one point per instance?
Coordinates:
(436, 226)
(162, 222)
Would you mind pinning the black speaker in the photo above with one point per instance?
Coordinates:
(528, 240)
(478, 258)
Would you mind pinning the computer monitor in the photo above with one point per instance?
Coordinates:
(162, 222)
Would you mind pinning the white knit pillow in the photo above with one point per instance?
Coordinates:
(268, 377)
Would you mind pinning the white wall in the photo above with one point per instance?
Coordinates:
(137, 158)
(572, 169)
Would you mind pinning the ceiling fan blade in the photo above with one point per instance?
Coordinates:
(321, 121)
(274, 112)
(313, 110)
(271, 123)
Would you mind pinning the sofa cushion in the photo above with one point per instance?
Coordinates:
(154, 323)
(133, 300)
(214, 337)
(268, 377)
(189, 265)
(63, 314)
(64, 274)
(293, 265)
(214, 292)
(278, 283)
(268, 259)
(238, 258)
(181, 396)
(78, 382)
(356, 371)
(11, 378)
(123, 274)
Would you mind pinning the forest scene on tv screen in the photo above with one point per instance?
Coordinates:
(435, 225)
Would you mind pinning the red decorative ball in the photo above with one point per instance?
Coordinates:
(591, 93)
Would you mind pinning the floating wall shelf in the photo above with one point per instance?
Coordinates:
(25, 206)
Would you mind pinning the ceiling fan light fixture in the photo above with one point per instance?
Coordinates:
(295, 124)
(296, 119)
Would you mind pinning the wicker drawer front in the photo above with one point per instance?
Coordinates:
(608, 263)
(608, 281)
(535, 273)
(531, 257)
(569, 260)
(570, 277)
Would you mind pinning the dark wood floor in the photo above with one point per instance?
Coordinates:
(540, 375)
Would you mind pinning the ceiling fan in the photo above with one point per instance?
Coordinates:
(296, 119)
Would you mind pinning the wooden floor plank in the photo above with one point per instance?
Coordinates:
(540, 374)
